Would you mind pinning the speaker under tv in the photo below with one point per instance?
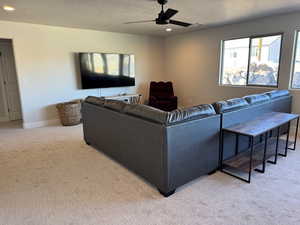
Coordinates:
(105, 70)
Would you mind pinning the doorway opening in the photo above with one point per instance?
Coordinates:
(10, 103)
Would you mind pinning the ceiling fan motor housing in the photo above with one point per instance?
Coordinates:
(161, 21)
(164, 17)
(162, 2)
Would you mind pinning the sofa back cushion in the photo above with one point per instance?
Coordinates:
(277, 93)
(256, 99)
(230, 105)
(195, 112)
(95, 100)
(161, 89)
(115, 105)
(147, 112)
(169, 118)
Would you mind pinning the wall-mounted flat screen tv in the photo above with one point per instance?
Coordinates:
(104, 70)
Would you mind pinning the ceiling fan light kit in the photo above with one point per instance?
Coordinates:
(164, 17)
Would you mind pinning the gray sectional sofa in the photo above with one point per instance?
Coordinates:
(169, 149)
(165, 148)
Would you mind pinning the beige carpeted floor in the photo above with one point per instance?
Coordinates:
(49, 176)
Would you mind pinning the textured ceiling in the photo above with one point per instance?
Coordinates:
(109, 15)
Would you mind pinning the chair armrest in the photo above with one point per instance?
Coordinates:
(173, 98)
(152, 100)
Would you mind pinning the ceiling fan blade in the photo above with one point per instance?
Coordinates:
(141, 21)
(179, 23)
(170, 13)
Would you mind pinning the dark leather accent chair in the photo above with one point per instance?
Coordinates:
(162, 96)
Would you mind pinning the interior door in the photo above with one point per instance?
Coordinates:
(8, 71)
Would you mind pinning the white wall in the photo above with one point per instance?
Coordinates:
(48, 73)
(192, 60)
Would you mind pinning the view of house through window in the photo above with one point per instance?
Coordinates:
(296, 71)
(235, 61)
(262, 67)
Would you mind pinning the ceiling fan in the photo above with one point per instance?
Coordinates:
(164, 17)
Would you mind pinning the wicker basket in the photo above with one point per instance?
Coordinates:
(70, 112)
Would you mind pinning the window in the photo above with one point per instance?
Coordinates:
(234, 69)
(252, 61)
(296, 70)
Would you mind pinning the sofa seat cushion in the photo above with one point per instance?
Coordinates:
(195, 112)
(147, 112)
(230, 105)
(278, 93)
(115, 105)
(256, 99)
(95, 100)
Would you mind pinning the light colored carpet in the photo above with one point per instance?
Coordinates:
(49, 176)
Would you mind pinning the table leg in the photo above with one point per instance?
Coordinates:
(221, 150)
(287, 141)
(296, 134)
(265, 154)
(250, 163)
(251, 157)
(249, 143)
(237, 140)
(276, 150)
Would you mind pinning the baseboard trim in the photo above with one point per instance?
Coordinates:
(4, 119)
(44, 123)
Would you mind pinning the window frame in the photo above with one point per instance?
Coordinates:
(295, 48)
(249, 60)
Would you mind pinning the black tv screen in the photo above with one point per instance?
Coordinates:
(103, 70)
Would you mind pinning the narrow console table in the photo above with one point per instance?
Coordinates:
(262, 125)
